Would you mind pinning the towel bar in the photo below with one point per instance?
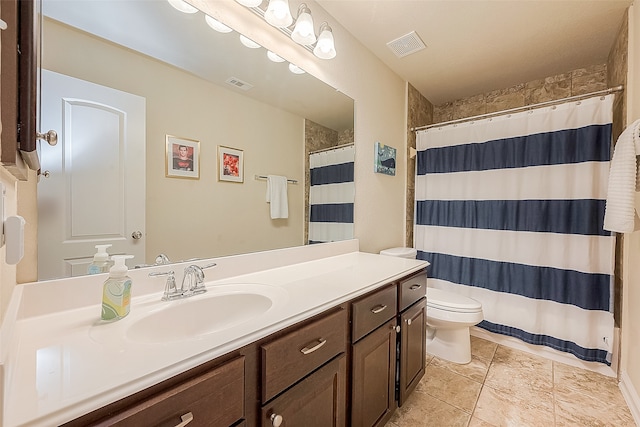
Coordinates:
(292, 181)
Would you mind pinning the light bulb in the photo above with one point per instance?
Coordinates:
(182, 6)
(325, 48)
(217, 25)
(303, 32)
(278, 13)
(275, 58)
(295, 69)
(250, 3)
(248, 42)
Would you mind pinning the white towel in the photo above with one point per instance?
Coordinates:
(277, 196)
(620, 213)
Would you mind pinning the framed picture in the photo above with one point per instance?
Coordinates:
(385, 159)
(230, 164)
(182, 158)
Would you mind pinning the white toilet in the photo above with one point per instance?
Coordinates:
(449, 317)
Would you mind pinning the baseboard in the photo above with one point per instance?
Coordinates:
(630, 396)
(546, 352)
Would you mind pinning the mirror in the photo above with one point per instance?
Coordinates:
(187, 83)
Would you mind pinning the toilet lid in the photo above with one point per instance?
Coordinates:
(450, 301)
(400, 252)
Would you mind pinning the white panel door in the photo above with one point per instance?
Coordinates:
(95, 190)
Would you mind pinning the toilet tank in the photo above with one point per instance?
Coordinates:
(400, 252)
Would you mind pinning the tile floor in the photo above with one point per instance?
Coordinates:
(506, 387)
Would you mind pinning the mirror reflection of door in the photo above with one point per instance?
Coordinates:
(94, 192)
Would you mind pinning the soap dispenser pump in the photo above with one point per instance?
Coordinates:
(101, 262)
(116, 292)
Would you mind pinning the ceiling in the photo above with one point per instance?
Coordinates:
(476, 46)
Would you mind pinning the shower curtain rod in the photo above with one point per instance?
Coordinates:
(331, 148)
(524, 108)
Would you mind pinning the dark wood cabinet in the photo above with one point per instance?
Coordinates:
(413, 349)
(353, 365)
(373, 377)
(317, 401)
(214, 399)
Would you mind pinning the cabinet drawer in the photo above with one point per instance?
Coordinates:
(215, 398)
(289, 358)
(373, 310)
(412, 289)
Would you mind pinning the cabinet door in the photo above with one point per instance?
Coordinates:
(317, 401)
(373, 377)
(413, 348)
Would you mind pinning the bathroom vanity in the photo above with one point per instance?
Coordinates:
(337, 331)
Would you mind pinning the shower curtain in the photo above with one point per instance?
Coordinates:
(331, 195)
(509, 211)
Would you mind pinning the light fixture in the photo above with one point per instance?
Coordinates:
(325, 48)
(303, 32)
(275, 58)
(248, 42)
(250, 3)
(182, 6)
(278, 13)
(295, 69)
(217, 25)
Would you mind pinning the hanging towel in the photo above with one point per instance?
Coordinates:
(620, 213)
(277, 196)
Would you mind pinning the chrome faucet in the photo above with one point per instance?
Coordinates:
(192, 282)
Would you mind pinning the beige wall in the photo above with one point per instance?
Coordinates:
(206, 217)
(631, 267)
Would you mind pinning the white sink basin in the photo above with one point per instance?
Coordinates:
(196, 316)
(221, 308)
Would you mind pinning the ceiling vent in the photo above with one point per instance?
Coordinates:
(406, 45)
(235, 82)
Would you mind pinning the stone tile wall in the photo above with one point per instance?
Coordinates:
(419, 113)
(318, 137)
(617, 75)
(576, 82)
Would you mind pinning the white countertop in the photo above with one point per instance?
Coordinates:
(63, 364)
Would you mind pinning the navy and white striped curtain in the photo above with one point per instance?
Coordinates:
(509, 211)
(331, 195)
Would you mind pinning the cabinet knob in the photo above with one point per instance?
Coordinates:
(409, 322)
(396, 328)
(276, 420)
(186, 419)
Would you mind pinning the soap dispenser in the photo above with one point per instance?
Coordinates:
(116, 293)
(101, 262)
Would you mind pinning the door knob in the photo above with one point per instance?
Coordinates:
(51, 137)
(136, 235)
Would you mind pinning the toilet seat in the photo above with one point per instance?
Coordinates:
(449, 301)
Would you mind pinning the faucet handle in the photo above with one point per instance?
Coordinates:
(170, 289)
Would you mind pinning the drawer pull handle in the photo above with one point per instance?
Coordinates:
(186, 419)
(414, 287)
(378, 309)
(308, 349)
(276, 420)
